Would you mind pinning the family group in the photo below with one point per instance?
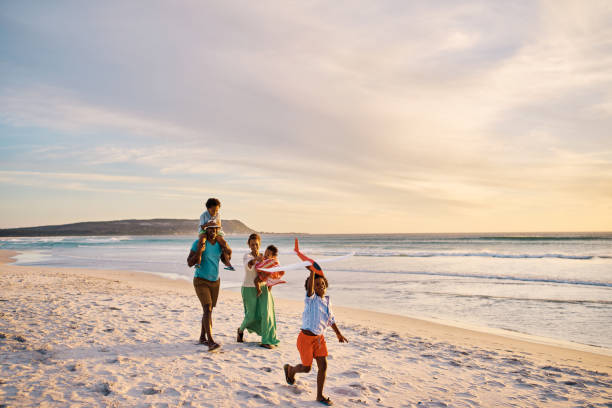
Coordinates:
(259, 316)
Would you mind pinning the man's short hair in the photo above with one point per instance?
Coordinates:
(212, 202)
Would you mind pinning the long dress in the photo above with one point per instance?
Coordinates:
(259, 315)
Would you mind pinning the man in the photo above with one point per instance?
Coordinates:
(206, 280)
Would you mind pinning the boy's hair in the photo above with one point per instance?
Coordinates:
(272, 249)
(254, 236)
(212, 202)
(316, 277)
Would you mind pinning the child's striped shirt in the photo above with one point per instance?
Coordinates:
(317, 314)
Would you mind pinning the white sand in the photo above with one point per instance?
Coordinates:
(75, 337)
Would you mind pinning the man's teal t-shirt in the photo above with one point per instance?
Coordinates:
(209, 265)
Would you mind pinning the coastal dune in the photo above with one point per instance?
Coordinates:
(78, 337)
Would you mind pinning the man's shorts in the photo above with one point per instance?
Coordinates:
(310, 347)
(207, 291)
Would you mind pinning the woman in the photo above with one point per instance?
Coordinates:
(259, 314)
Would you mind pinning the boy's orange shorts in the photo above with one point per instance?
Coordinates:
(310, 347)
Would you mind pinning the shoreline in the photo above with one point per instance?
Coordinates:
(121, 338)
(373, 315)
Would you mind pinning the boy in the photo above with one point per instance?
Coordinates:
(316, 317)
(209, 217)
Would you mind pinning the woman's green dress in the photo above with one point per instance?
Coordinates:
(259, 316)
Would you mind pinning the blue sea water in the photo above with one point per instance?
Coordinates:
(557, 286)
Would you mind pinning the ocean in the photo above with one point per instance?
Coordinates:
(556, 286)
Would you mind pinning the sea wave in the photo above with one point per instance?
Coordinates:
(530, 279)
(480, 254)
(529, 299)
(484, 254)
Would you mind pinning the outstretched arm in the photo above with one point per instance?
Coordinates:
(339, 335)
(310, 288)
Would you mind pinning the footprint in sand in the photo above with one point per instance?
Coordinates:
(555, 397)
(375, 389)
(358, 386)
(151, 391)
(522, 384)
(351, 374)
(346, 391)
(296, 390)
(104, 388)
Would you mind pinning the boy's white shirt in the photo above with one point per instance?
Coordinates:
(318, 314)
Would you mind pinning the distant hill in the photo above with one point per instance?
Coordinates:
(156, 226)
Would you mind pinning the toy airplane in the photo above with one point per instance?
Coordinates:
(307, 263)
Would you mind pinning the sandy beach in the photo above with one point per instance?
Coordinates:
(78, 337)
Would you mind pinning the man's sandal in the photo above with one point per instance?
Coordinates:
(326, 401)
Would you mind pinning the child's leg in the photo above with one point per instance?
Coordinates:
(290, 372)
(305, 347)
(322, 366)
(227, 251)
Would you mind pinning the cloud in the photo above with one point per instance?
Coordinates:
(53, 109)
(389, 107)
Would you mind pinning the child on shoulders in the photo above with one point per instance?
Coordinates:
(210, 217)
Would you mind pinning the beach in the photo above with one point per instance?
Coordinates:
(80, 337)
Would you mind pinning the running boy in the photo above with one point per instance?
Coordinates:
(316, 317)
(209, 217)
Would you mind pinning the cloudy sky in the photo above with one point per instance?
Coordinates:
(309, 116)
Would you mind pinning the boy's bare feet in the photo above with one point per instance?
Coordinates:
(240, 336)
(290, 379)
(213, 346)
(268, 346)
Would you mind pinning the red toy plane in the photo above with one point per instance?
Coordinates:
(308, 263)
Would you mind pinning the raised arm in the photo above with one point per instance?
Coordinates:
(310, 288)
(194, 256)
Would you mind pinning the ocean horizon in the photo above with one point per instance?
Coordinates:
(552, 285)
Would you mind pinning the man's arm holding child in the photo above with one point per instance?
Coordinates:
(194, 256)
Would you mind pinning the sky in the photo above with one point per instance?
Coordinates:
(309, 116)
